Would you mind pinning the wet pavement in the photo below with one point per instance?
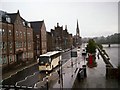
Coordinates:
(96, 78)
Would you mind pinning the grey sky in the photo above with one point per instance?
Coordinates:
(96, 18)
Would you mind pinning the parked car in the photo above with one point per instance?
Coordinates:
(84, 52)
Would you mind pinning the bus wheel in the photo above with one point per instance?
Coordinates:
(52, 66)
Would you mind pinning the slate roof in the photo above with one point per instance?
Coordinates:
(36, 25)
(12, 16)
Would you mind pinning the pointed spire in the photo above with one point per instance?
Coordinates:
(57, 24)
(18, 11)
(77, 29)
(65, 27)
(77, 24)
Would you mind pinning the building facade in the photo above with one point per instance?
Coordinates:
(40, 38)
(49, 42)
(61, 39)
(17, 39)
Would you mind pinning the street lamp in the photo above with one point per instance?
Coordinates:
(46, 75)
(60, 75)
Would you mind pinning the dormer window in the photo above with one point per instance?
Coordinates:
(10, 33)
(29, 25)
(23, 23)
(8, 19)
(0, 18)
(0, 31)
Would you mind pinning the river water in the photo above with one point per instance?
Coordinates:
(113, 53)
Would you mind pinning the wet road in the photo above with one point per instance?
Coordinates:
(29, 76)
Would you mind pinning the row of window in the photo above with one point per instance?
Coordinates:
(4, 60)
(2, 32)
(20, 44)
(3, 45)
(18, 33)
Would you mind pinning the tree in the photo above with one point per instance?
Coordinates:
(91, 46)
(91, 49)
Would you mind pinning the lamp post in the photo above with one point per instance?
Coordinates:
(60, 75)
(47, 75)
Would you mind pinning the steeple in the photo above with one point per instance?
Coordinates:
(18, 12)
(65, 27)
(77, 30)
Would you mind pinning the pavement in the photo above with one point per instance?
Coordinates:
(96, 78)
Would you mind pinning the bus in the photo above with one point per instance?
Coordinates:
(49, 60)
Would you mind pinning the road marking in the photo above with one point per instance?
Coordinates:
(26, 78)
(29, 87)
(24, 86)
(19, 71)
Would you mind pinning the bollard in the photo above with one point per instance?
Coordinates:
(107, 70)
(78, 75)
(84, 69)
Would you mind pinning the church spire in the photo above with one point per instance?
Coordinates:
(77, 30)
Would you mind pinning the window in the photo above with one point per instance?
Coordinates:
(1, 45)
(10, 45)
(23, 23)
(24, 55)
(21, 34)
(3, 31)
(29, 25)
(28, 33)
(1, 60)
(10, 33)
(37, 36)
(20, 44)
(29, 44)
(16, 43)
(24, 33)
(0, 32)
(24, 43)
(10, 58)
(17, 33)
(8, 19)
(0, 18)
(4, 59)
(4, 45)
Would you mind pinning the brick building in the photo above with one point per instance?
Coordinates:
(17, 39)
(40, 37)
(61, 39)
(49, 41)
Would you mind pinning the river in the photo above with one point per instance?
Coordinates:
(113, 52)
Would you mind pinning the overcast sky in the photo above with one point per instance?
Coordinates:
(95, 17)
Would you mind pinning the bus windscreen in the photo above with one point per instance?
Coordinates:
(43, 60)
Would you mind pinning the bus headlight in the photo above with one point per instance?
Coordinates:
(46, 64)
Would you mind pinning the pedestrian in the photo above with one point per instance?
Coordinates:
(98, 55)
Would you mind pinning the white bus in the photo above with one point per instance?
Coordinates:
(49, 60)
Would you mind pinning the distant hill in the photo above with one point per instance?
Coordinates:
(112, 39)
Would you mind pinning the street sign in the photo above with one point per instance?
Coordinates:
(73, 53)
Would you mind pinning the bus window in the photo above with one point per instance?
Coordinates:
(43, 60)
